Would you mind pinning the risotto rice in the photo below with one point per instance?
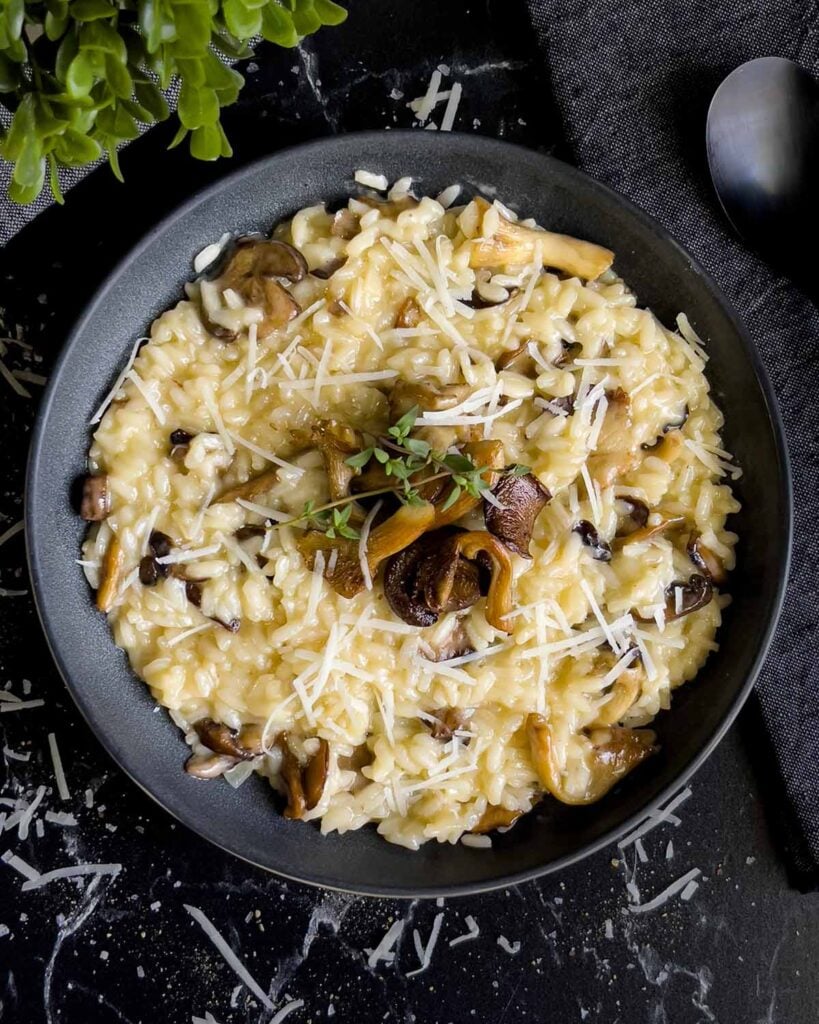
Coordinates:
(204, 453)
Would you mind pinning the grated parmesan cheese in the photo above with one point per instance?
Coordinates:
(425, 954)
(337, 379)
(384, 949)
(189, 555)
(73, 871)
(362, 544)
(662, 898)
(285, 1011)
(59, 774)
(473, 933)
(512, 948)
(145, 390)
(12, 531)
(451, 110)
(229, 956)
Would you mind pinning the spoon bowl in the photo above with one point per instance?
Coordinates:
(762, 140)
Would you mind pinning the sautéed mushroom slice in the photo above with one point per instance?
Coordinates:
(614, 753)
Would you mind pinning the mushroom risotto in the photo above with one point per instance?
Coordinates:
(413, 511)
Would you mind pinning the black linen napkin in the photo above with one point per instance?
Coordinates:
(632, 82)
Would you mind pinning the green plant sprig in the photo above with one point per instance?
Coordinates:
(403, 456)
(80, 76)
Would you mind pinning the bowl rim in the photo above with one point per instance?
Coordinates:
(505, 150)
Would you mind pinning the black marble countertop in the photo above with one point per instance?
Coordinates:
(125, 946)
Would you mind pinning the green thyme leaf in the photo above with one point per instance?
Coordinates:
(403, 426)
(360, 460)
(452, 497)
(519, 470)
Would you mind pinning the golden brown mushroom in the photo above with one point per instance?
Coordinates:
(242, 745)
(495, 817)
(479, 544)
(252, 269)
(112, 568)
(615, 752)
(448, 721)
(252, 488)
(513, 244)
(337, 443)
(304, 783)
(326, 270)
(209, 766)
(666, 521)
(523, 498)
(345, 224)
(624, 692)
(344, 573)
(598, 548)
(96, 498)
(706, 560)
(409, 315)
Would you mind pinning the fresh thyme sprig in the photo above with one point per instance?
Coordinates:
(403, 458)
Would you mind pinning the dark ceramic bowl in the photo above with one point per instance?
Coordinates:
(119, 707)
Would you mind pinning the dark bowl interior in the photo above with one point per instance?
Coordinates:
(119, 707)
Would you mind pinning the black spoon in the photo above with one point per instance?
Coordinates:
(762, 138)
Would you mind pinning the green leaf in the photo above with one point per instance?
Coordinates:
(381, 456)
(15, 11)
(149, 97)
(198, 107)
(80, 76)
(113, 159)
(30, 166)
(278, 27)
(458, 463)
(330, 13)
(9, 75)
(74, 148)
(225, 148)
(181, 133)
(47, 123)
(519, 470)
(241, 20)
(451, 498)
(225, 82)
(193, 25)
(118, 77)
(118, 123)
(360, 460)
(416, 446)
(206, 142)
(149, 14)
(22, 128)
(99, 35)
(230, 45)
(54, 180)
(92, 10)
(66, 52)
(403, 426)
(305, 19)
(24, 194)
(192, 70)
(55, 24)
